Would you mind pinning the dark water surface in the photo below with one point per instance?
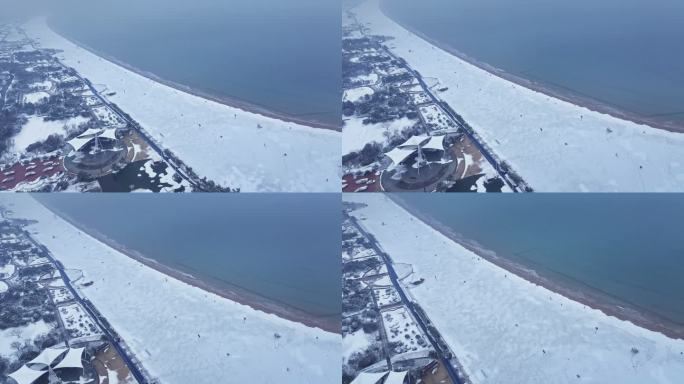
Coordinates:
(626, 245)
(623, 53)
(281, 55)
(284, 247)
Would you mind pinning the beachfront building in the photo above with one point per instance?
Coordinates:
(95, 153)
(51, 363)
(419, 163)
(417, 145)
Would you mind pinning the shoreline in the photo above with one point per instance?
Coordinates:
(225, 100)
(568, 96)
(587, 295)
(226, 291)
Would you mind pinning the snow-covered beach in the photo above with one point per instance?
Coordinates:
(504, 328)
(556, 91)
(555, 145)
(221, 288)
(556, 281)
(180, 332)
(234, 147)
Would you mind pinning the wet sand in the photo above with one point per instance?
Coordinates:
(557, 282)
(558, 91)
(231, 102)
(329, 323)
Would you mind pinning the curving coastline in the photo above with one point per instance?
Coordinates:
(556, 282)
(328, 323)
(557, 92)
(225, 100)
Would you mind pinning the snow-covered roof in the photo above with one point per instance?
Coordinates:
(424, 141)
(434, 143)
(404, 150)
(79, 141)
(397, 155)
(47, 356)
(72, 359)
(396, 377)
(26, 375)
(369, 378)
(415, 141)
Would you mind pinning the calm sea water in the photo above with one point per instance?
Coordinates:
(284, 247)
(629, 246)
(282, 55)
(624, 53)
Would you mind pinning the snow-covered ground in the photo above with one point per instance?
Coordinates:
(368, 79)
(384, 281)
(401, 328)
(60, 295)
(420, 97)
(35, 97)
(433, 115)
(107, 116)
(357, 341)
(366, 252)
(505, 329)
(183, 334)
(77, 322)
(553, 144)
(356, 134)
(355, 94)
(386, 296)
(6, 270)
(20, 334)
(36, 129)
(228, 145)
(379, 270)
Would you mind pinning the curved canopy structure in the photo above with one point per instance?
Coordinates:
(414, 143)
(396, 377)
(369, 378)
(423, 141)
(41, 364)
(26, 375)
(72, 359)
(47, 356)
(79, 141)
(397, 155)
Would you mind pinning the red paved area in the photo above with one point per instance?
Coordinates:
(29, 170)
(369, 180)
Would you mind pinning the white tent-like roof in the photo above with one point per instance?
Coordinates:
(402, 151)
(414, 141)
(26, 375)
(72, 359)
(369, 378)
(434, 143)
(424, 141)
(397, 155)
(48, 356)
(396, 378)
(79, 141)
